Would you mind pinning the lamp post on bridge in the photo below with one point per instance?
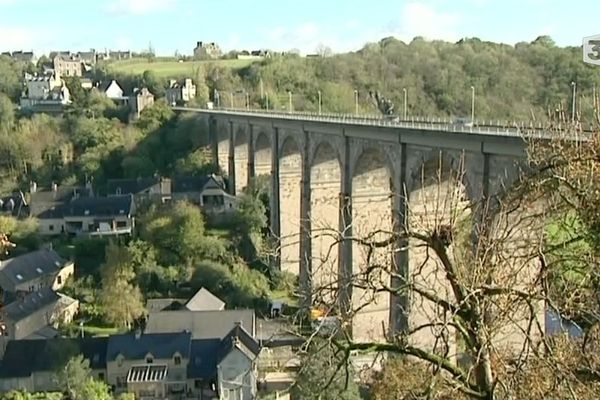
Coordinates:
(472, 105)
(405, 98)
(267, 99)
(355, 102)
(231, 100)
(290, 100)
(319, 92)
(574, 85)
(247, 101)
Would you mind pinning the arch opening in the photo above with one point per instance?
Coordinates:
(290, 180)
(325, 186)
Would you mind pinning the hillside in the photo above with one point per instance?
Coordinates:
(169, 69)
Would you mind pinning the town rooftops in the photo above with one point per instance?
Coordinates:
(22, 357)
(131, 186)
(30, 266)
(157, 305)
(204, 300)
(99, 206)
(202, 324)
(32, 302)
(133, 346)
(45, 203)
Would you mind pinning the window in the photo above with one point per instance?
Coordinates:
(121, 224)
(51, 228)
(19, 277)
(59, 280)
(177, 360)
(39, 270)
(149, 360)
(119, 190)
(101, 376)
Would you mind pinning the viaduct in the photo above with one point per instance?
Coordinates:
(354, 176)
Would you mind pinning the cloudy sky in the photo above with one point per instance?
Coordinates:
(176, 25)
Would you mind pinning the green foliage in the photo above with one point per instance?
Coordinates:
(77, 382)
(237, 285)
(11, 73)
(321, 379)
(121, 300)
(7, 112)
(176, 231)
(153, 117)
(23, 233)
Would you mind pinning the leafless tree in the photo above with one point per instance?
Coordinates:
(471, 277)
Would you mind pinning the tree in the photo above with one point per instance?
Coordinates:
(473, 296)
(322, 378)
(75, 377)
(121, 300)
(7, 112)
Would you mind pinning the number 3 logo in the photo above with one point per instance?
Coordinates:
(591, 49)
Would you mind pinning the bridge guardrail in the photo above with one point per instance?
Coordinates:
(512, 129)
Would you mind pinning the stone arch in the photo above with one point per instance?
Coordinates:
(262, 154)
(372, 218)
(290, 182)
(241, 157)
(325, 187)
(437, 199)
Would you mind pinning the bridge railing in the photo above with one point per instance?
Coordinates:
(502, 128)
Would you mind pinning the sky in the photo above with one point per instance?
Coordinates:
(176, 25)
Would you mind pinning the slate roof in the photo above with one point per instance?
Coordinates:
(157, 305)
(30, 266)
(160, 345)
(46, 203)
(204, 300)
(202, 324)
(203, 359)
(22, 357)
(189, 183)
(32, 302)
(131, 186)
(239, 337)
(99, 206)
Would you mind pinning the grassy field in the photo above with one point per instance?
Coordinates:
(169, 69)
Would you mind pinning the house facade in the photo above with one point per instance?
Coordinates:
(206, 50)
(67, 65)
(139, 100)
(179, 92)
(144, 190)
(32, 272)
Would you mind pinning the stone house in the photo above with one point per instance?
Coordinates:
(139, 100)
(88, 57)
(138, 363)
(99, 216)
(41, 87)
(180, 92)
(32, 272)
(205, 50)
(67, 65)
(113, 91)
(144, 190)
(32, 365)
(23, 56)
(47, 205)
(28, 315)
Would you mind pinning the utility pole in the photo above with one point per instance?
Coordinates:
(319, 102)
(355, 102)
(472, 105)
(290, 100)
(247, 101)
(262, 89)
(405, 98)
(574, 84)
(231, 99)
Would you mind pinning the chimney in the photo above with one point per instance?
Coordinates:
(54, 187)
(138, 333)
(32, 187)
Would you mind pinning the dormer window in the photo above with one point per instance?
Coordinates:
(119, 191)
(149, 359)
(177, 360)
(86, 212)
(19, 277)
(119, 360)
(39, 270)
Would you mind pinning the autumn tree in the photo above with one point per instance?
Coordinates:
(121, 300)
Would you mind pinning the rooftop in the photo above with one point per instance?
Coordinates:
(204, 300)
(30, 266)
(99, 206)
(31, 303)
(161, 345)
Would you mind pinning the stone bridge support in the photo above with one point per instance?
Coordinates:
(334, 183)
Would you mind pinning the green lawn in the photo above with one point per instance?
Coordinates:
(169, 69)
